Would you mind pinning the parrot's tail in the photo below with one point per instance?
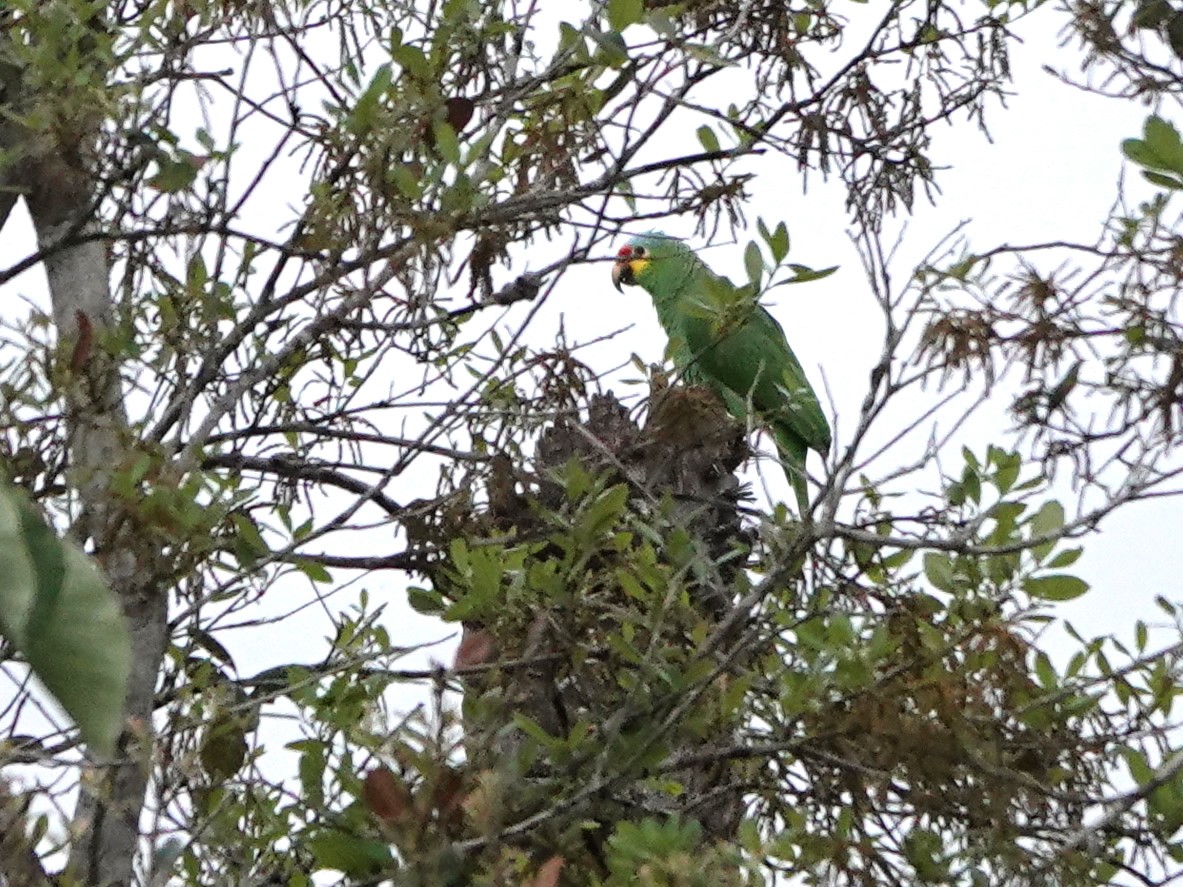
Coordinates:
(792, 451)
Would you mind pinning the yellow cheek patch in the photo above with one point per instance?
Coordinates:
(637, 266)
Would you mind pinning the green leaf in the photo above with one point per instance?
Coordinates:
(1046, 672)
(1009, 465)
(1063, 388)
(427, 601)
(971, 482)
(408, 184)
(778, 243)
(707, 54)
(366, 107)
(413, 61)
(753, 262)
(708, 139)
(1163, 138)
(535, 731)
(175, 176)
(223, 748)
(923, 851)
(938, 569)
(1057, 587)
(314, 570)
(1139, 767)
(614, 49)
(970, 458)
(1048, 521)
(1163, 180)
(312, 769)
(622, 13)
(1138, 151)
(1065, 558)
(1160, 148)
(57, 610)
(659, 20)
(805, 274)
(354, 856)
(1175, 33)
(446, 142)
(604, 511)
(1151, 14)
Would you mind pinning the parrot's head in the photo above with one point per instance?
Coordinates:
(645, 259)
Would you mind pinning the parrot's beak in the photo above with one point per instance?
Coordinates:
(622, 273)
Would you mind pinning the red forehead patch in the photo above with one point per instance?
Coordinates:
(625, 252)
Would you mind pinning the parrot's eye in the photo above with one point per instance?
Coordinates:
(639, 252)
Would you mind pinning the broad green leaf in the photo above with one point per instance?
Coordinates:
(175, 176)
(971, 482)
(1048, 521)
(1008, 471)
(622, 13)
(1163, 180)
(1046, 672)
(446, 142)
(408, 184)
(1175, 33)
(1160, 149)
(1151, 14)
(412, 59)
(604, 511)
(970, 457)
(57, 610)
(614, 49)
(1140, 768)
(1063, 388)
(223, 747)
(1065, 558)
(426, 601)
(312, 769)
(362, 116)
(753, 263)
(1057, 587)
(938, 569)
(1163, 139)
(924, 852)
(314, 570)
(355, 856)
(707, 138)
(779, 243)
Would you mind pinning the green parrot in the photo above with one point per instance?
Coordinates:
(721, 336)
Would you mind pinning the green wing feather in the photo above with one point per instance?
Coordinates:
(723, 336)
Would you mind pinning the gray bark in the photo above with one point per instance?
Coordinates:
(13, 139)
(108, 812)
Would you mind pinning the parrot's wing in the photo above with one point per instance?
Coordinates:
(746, 350)
(791, 401)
